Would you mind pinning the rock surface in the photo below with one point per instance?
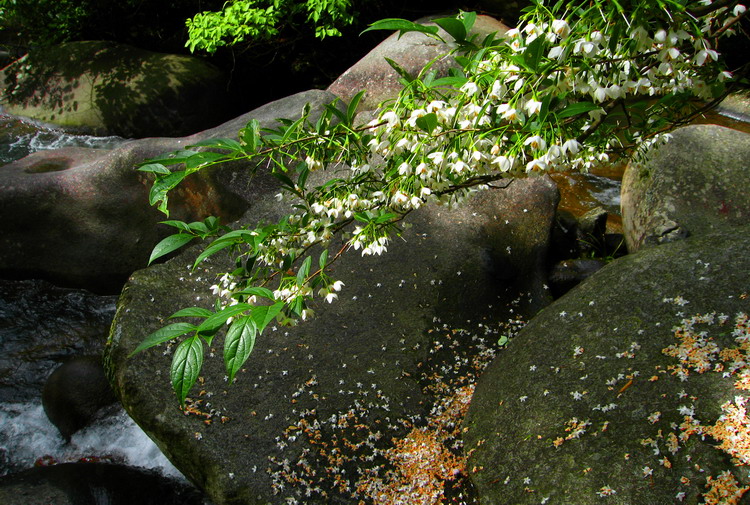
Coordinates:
(692, 185)
(107, 88)
(412, 52)
(318, 401)
(80, 217)
(585, 404)
(93, 484)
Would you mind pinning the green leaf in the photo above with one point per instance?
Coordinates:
(230, 144)
(351, 110)
(238, 344)
(428, 122)
(400, 70)
(192, 312)
(403, 26)
(215, 246)
(453, 26)
(323, 260)
(533, 54)
(303, 271)
(186, 366)
(468, 19)
(198, 160)
(155, 168)
(256, 291)
(455, 82)
(163, 334)
(577, 108)
(180, 225)
(250, 136)
(169, 244)
(264, 314)
(214, 322)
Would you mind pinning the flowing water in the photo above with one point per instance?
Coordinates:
(40, 326)
(20, 137)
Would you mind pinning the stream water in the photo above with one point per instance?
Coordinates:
(40, 326)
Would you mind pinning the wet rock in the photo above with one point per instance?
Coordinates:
(93, 484)
(317, 401)
(80, 217)
(106, 88)
(412, 52)
(75, 392)
(567, 274)
(588, 401)
(690, 186)
(41, 325)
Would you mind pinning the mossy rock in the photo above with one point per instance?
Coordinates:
(595, 360)
(107, 88)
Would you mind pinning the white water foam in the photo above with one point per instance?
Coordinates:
(26, 436)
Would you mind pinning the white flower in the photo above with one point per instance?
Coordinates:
(504, 163)
(533, 107)
(571, 146)
(555, 52)
(508, 113)
(535, 166)
(470, 88)
(561, 28)
(536, 142)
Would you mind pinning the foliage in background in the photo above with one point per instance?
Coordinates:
(256, 21)
(149, 24)
(574, 84)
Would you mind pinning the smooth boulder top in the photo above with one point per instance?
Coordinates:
(588, 405)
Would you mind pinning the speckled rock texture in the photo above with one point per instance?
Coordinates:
(586, 407)
(692, 185)
(80, 217)
(350, 379)
(107, 88)
(412, 52)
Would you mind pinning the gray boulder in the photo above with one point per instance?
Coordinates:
(75, 392)
(412, 52)
(692, 185)
(108, 88)
(319, 401)
(588, 404)
(80, 217)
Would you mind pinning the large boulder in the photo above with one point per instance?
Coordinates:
(318, 403)
(692, 185)
(411, 51)
(80, 217)
(108, 88)
(614, 393)
(93, 484)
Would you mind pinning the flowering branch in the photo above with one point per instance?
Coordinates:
(570, 85)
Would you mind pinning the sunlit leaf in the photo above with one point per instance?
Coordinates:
(163, 334)
(238, 344)
(186, 366)
(169, 244)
